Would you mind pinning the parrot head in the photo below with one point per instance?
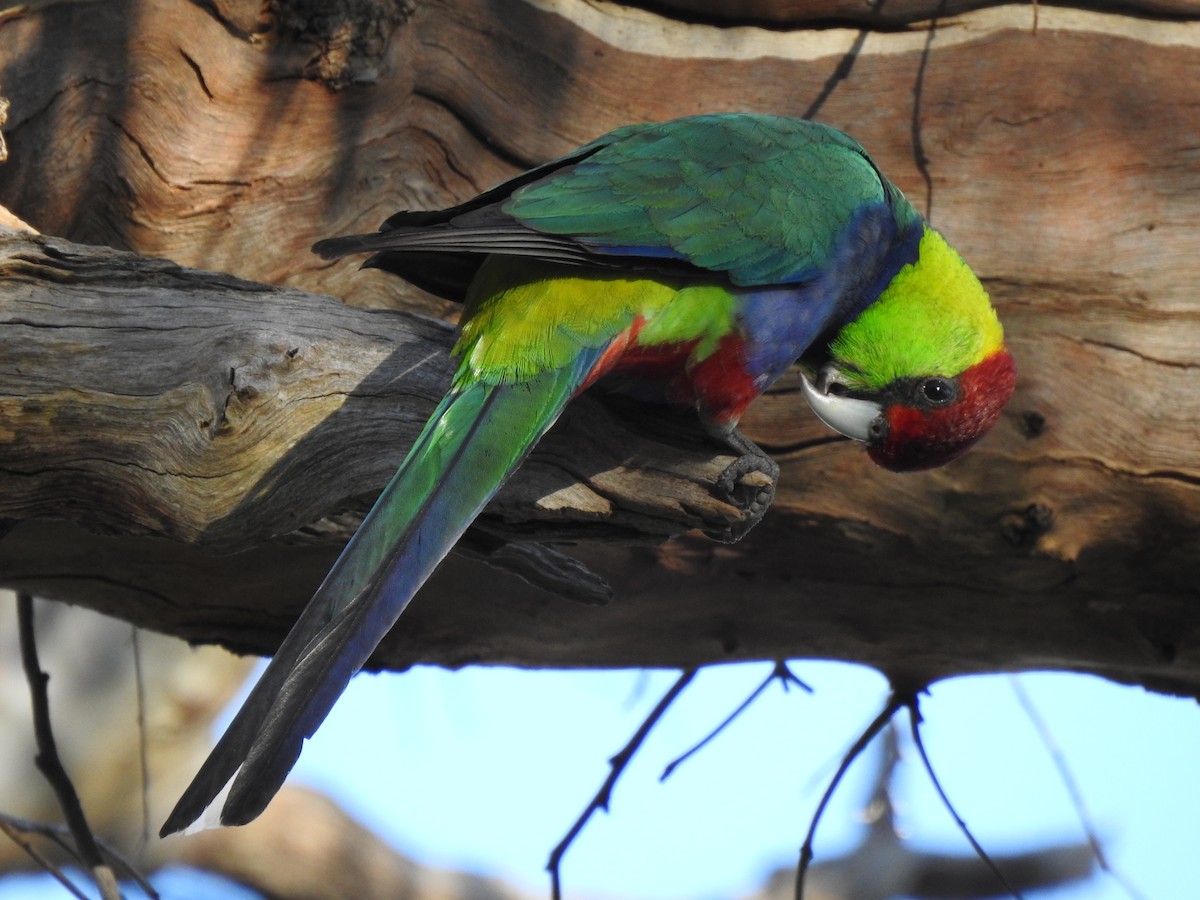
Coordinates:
(922, 373)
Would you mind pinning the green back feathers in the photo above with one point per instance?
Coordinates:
(761, 198)
(934, 318)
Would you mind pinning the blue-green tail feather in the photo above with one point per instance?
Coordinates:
(475, 439)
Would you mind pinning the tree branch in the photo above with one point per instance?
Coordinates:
(170, 424)
(47, 757)
(153, 399)
(145, 399)
(616, 764)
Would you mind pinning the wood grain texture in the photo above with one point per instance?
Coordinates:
(1064, 165)
(220, 412)
(141, 398)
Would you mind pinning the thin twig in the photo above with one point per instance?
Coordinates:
(617, 765)
(895, 702)
(914, 723)
(881, 807)
(1068, 779)
(61, 835)
(139, 685)
(785, 676)
(47, 758)
(47, 866)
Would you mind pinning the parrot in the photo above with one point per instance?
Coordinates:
(690, 262)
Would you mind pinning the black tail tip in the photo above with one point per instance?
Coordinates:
(174, 824)
(331, 248)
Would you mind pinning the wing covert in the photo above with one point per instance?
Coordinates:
(764, 199)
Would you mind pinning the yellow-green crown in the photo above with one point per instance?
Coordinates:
(934, 318)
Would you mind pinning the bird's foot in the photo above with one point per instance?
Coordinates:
(749, 484)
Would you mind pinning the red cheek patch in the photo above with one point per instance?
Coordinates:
(924, 439)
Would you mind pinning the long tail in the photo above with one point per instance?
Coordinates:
(474, 440)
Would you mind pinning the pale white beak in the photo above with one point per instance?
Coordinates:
(846, 415)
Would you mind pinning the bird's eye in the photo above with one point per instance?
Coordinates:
(937, 391)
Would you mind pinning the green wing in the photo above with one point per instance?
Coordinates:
(762, 198)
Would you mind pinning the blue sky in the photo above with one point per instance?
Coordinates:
(486, 769)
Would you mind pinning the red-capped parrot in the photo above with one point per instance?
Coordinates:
(694, 260)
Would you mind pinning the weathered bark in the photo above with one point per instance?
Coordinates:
(1064, 165)
(142, 399)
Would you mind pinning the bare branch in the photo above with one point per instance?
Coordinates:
(16, 827)
(47, 757)
(616, 766)
(15, 834)
(894, 703)
(914, 712)
(780, 671)
(139, 686)
(1071, 532)
(1042, 727)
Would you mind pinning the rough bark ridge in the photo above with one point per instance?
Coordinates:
(1063, 164)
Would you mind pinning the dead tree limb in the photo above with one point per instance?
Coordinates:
(1063, 165)
(143, 400)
